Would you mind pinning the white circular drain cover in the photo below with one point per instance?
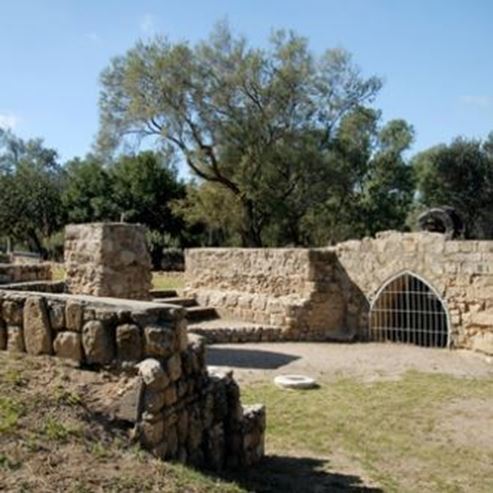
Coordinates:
(295, 382)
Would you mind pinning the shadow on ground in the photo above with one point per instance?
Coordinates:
(278, 474)
(248, 358)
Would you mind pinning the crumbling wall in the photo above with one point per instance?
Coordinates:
(107, 259)
(290, 288)
(461, 271)
(179, 410)
(10, 273)
(315, 294)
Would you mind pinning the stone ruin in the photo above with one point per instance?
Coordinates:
(107, 259)
(332, 293)
(177, 408)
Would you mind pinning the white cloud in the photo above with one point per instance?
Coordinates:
(8, 120)
(482, 102)
(147, 24)
(94, 38)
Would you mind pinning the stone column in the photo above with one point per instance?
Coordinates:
(108, 260)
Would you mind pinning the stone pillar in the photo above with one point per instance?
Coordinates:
(107, 259)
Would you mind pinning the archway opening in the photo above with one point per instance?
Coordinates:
(407, 309)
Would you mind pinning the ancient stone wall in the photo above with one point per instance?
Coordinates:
(295, 289)
(107, 259)
(10, 273)
(460, 271)
(178, 409)
(326, 293)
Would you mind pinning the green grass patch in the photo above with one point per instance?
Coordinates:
(57, 271)
(55, 429)
(161, 281)
(391, 428)
(10, 412)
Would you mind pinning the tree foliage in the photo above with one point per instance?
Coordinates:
(31, 180)
(459, 175)
(255, 122)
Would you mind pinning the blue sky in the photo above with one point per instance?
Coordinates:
(435, 56)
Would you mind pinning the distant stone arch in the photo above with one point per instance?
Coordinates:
(408, 309)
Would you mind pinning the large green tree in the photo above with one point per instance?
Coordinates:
(459, 175)
(31, 180)
(256, 123)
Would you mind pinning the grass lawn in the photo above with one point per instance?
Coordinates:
(162, 281)
(420, 433)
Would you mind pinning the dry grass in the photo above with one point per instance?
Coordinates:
(160, 280)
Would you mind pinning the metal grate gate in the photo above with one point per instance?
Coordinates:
(408, 310)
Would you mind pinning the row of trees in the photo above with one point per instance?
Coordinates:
(283, 147)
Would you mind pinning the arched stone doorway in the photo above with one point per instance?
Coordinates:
(408, 309)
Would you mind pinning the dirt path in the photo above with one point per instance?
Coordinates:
(368, 361)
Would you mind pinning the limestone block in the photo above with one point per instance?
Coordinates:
(151, 432)
(97, 343)
(128, 405)
(68, 345)
(153, 374)
(483, 342)
(128, 342)
(37, 332)
(15, 339)
(12, 312)
(482, 319)
(107, 259)
(56, 313)
(73, 315)
(174, 367)
(170, 396)
(153, 400)
(158, 341)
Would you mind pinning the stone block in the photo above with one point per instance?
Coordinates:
(128, 342)
(153, 400)
(15, 339)
(12, 312)
(73, 315)
(153, 374)
(483, 342)
(97, 343)
(170, 396)
(56, 313)
(68, 345)
(37, 331)
(174, 367)
(158, 341)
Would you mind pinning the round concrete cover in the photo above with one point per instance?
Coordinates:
(295, 382)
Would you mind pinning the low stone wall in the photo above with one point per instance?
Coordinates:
(37, 286)
(10, 273)
(179, 410)
(297, 290)
(107, 259)
(317, 294)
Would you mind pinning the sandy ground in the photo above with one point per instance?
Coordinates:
(368, 361)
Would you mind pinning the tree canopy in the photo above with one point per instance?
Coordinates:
(256, 122)
(459, 175)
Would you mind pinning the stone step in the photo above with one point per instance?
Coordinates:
(163, 293)
(197, 313)
(176, 300)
